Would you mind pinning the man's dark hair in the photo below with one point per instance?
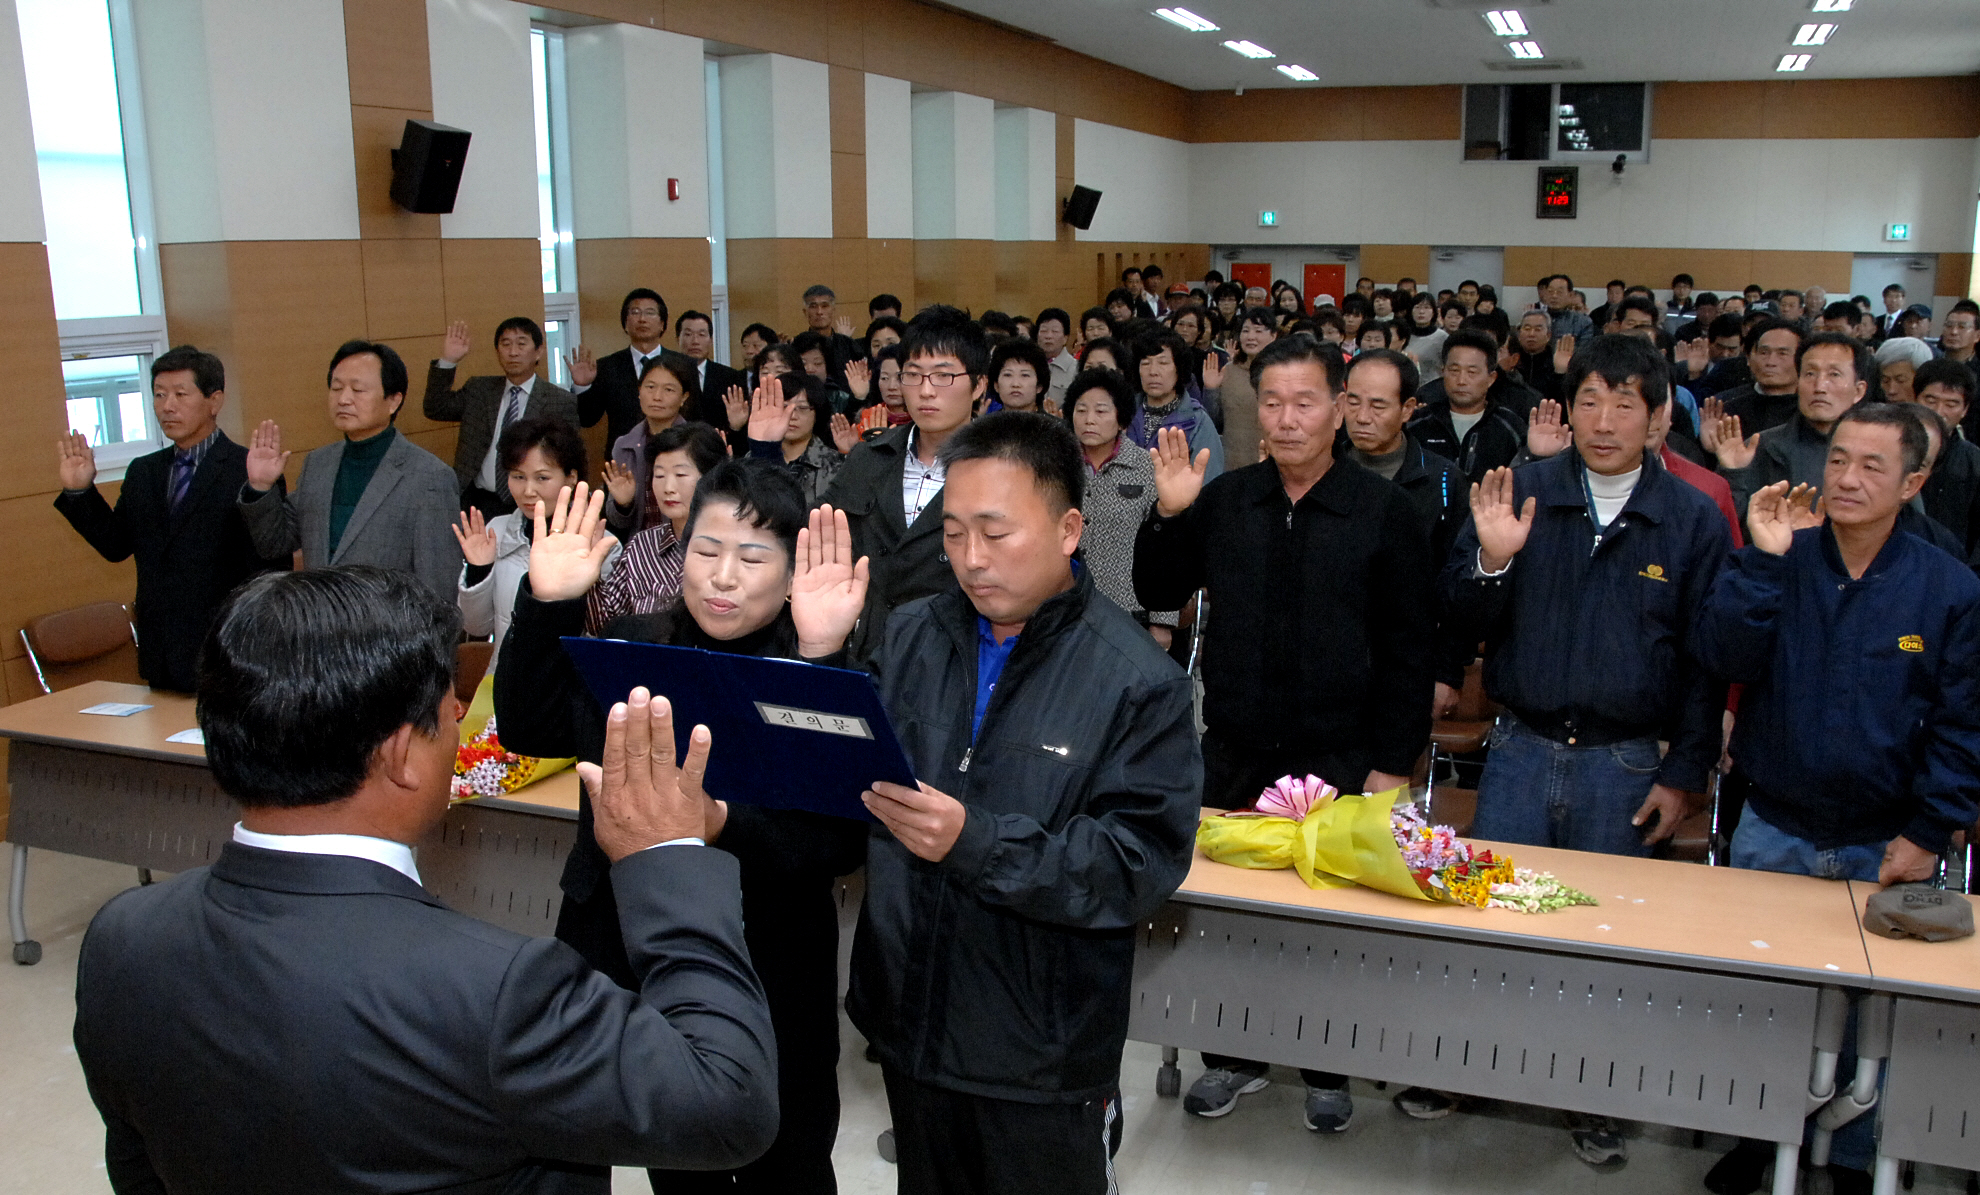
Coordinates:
(1965, 307)
(1894, 287)
(1563, 277)
(1121, 295)
(895, 322)
(1944, 371)
(519, 323)
(1912, 444)
(1227, 290)
(940, 330)
(1841, 309)
(1450, 305)
(1476, 339)
(1028, 352)
(1644, 291)
(703, 444)
(1681, 279)
(1754, 288)
(1054, 313)
(1641, 304)
(683, 373)
(1358, 302)
(558, 440)
(304, 675)
(1753, 334)
(764, 495)
(1151, 270)
(692, 314)
(1291, 350)
(765, 331)
(1134, 270)
(1444, 295)
(1725, 325)
(882, 302)
(1493, 323)
(1704, 298)
(1470, 282)
(818, 290)
(1934, 425)
(1042, 444)
(1616, 359)
(1114, 385)
(1400, 281)
(391, 367)
(1213, 277)
(641, 292)
(1406, 375)
(1859, 353)
(207, 371)
(1096, 313)
(999, 322)
(1618, 282)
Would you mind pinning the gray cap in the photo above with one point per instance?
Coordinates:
(1918, 911)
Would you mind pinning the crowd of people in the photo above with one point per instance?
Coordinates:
(1019, 524)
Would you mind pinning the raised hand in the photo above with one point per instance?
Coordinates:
(457, 345)
(859, 379)
(1546, 435)
(1697, 355)
(1770, 519)
(570, 546)
(769, 412)
(736, 404)
(1213, 371)
(1052, 407)
(1563, 354)
(1501, 532)
(843, 325)
(1733, 450)
(639, 798)
(828, 587)
(76, 461)
(1709, 414)
(1806, 507)
(265, 458)
(620, 483)
(477, 541)
(1178, 480)
(845, 437)
(583, 367)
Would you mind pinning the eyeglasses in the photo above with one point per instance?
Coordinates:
(941, 379)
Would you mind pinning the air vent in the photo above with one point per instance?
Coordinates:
(1517, 66)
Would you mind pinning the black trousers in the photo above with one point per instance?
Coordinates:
(800, 980)
(949, 1143)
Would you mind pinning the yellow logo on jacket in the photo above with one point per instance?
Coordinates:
(1655, 572)
(1911, 643)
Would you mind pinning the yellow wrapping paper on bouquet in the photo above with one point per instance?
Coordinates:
(514, 771)
(1343, 841)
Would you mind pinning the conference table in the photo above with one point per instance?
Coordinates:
(1688, 996)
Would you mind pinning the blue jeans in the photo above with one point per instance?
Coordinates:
(1536, 792)
(1759, 846)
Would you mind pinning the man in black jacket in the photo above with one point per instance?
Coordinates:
(175, 513)
(1768, 397)
(891, 486)
(712, 380)
(1058, 805)
(304, 1016)
(608, 388)
(1474, 419)
(1315, 659)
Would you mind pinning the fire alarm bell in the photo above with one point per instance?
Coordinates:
(673, 188)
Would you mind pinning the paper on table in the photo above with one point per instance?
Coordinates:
(192, 736)
(115, 709)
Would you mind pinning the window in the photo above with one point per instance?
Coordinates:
(1561, 122)
(553, 198)
(96, 205)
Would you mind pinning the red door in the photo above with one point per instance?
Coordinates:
(1252, 273)
(1329, 280)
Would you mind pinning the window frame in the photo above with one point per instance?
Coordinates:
(1554, 153)
(556, 100)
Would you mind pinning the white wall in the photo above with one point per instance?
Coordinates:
(248, 115)
(479, 52)
(1144, 185)
(620, 167)
(889, 158)
(954, 150)
(20, 187)
(776, 146)
(1027, 174)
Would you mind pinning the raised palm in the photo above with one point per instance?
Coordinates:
(828, 587)
(1501, 530)
(736, 404)
(477, 539)
(1546, 435)
(1771, 519)
(583, 366)
(77, 462)
(1734, 450)
(769, 412)
(265, 458)
(859, 379)
(1178, 479)
(620, 483)
(1563, 354)
(570, 546)
(457, 345)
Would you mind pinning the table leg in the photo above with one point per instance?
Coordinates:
(1787, 1167)
(1885, 1176)
(27, 952)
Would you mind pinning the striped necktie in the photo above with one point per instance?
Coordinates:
(514, 410)
(182, 475)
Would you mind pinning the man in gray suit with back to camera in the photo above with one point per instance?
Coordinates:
(373, 497)
(302, 1016)
(484, 406)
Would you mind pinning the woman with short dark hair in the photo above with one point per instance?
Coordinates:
(1120, 489)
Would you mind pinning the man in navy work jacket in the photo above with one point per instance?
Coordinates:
(1060, 788)
(1581, 574)
(1859, 646)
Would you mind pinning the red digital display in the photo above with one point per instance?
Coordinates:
(1558, 186)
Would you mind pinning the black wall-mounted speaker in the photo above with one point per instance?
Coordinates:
(426, 168)
(1080, 206)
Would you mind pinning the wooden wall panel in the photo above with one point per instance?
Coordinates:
(1389, 263)
(67, 571)
(1955, 274)
(403, 295)
(33, 401)
(677, 267)
(1719, 270)
(848, 196)
(1818, 108)
(388, 63)
(1328, 114)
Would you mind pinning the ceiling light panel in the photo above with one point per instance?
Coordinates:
(1187, 19)
(1525, 49)
(1795, 62)
(1298, 74)
(1831, 6)
(1506, 22)
(1813, 35)
(1250, 49)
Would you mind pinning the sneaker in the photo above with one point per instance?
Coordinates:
(1216, 1091)
(1328, 1109)
(1421, 1103)
(1741, 1170)
(1598, 1141)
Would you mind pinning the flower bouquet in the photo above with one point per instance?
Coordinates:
(482, 766)
(1375, 840)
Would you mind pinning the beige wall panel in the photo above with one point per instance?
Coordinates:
(890, 270)
(486, 282)
(67, 571)
(794, 27)
(293, 303)
(1955, 274)
(375, 133)
(848, 196)
(417, 352)
(1328, 114)
(677, 267)
(402, 289)
(1818, 108)
(385, 41)
(1387, 263)
(33, 402)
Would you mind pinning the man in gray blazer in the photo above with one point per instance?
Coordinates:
(303, 1016)
(373, 497)
(484, 406)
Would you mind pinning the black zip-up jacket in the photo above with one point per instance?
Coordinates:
(1443, 497)
(1757, 412)
(905, 562)
(1318, 637)
(1003, 970)
(1595, 637)
(1492, 443)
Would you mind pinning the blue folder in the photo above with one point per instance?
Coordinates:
(786, 734)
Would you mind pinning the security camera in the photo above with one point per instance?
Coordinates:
(1616, 167)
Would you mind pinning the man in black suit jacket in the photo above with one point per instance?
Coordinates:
(712, 380)
(175, 513)
(608, 387)
(484, 406)
(303, 1016)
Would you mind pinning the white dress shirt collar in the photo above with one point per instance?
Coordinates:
(395, 855)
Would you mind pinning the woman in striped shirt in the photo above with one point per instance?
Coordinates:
(647, 577)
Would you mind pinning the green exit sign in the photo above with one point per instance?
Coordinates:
(1897, 232)
(1268, 219)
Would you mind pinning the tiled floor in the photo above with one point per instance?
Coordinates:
(51, 1140)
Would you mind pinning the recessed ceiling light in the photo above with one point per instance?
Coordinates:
(1187, 19)
(1297, 73)
(1813, 35)
(1794, 62)
(1250, 49)
(1506, 23)
(1831, 6)
(1525, 49)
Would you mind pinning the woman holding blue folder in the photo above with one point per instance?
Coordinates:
(756, 580)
